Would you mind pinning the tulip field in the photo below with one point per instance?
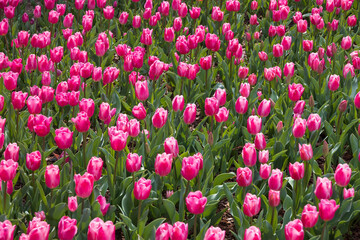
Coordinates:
(179, 119)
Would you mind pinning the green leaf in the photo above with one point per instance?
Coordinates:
(219, 179)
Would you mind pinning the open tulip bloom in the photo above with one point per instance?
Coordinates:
(160, 119)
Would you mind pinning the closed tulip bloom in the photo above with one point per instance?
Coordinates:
(212, 42)
(42, 125)
(139, 111)
(171, 146)
(275, 180)
(254, 124)
(53, 17)
(10, 80)
(123, 18)
(104, 207)
(289, 69)
(346, 43)
(195, 202)
(278, 50)
(244, 89)
(252, 205)
(183, 9)
(52, 176)
(195, 12)
(206, 62)
(334, 82)
(342, 175)
(296, 171)
(190, 167)
(37, 229)
(244, 176)
(243, 72)
(141, 90)
(100, 230)
(163, 164)
(295, 91)
(56, 54)
(178, 103)
(67, 228)
(133, 127)
(307, 45)
(182, 45)
(12, 152)
(241, 105)
(323, 188)
(313, 122)
(220, 95)
(309, 216)
(294, 230)
(249, 154)
(82, 122)
(159, 118)
(108, 12)
(94, 167)
(33, 160)
(222, 115)
(351, 21)
(118, 139)
(34, 105)
(260, 141)
(63, 138)
(87, 105)
(301, 26)
(169, 34)
(264, 156)
(136, 23)
(306, 152)
(348, 68)
(72, 204)
(264, 108)
(214, 233)
(180, 231)
(348, 193)
(133, 162)
(84, 184)
(164, 232)
(211, 106)
(7, 230)
(286, 42)
(190, 113)
(74, 98)
(252, 233)
(142, 189)
(327, 209)
(299, 127)
(274, 198)
(8, 170)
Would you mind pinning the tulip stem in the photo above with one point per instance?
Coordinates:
(56, 73)
(84, 148)
(296, 199)
(44, 143)
(206, 80)
(17, 122)
(116, 163)
(82, 205)
(305, 174)
(133, 177)
(139, 213)
(195, 226)
(323, 231)
(338, 130)
(272, 215)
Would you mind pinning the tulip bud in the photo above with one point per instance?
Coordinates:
(52, 176)
(195, 202)
(327, 209)
(142, 189)
(72, 204)
(252, 205)
(343, 106)
(275, 180)
(294, 230)
(274, 198)
(214, 233)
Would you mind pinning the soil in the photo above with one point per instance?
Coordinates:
(227, 222)
(354, 232)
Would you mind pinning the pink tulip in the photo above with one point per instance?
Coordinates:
(264, 156)
(139, 111)
(254, 124)
(346, 43)
(296, 171)
(52, 176)
(264, 108)
(301, 26)
(252, 205)
(104, 207)
(348, 193)
(171, 146)
(313, 122)
(212, 42)
(214, 233)
(141, 90)
(249, 155)
(37, 229)
(327, 209)
(190, 167)
(164, 231)
(220, 95)
(323, 188)
(7, 230)
(11, 151)
(67, 228)
(180, 231)
(195, 202)
(33, 160)
(274, 198)
(163, 164)
(82, 122)
(241, 105)
(289, 69)
(178, 103)
(306, 152)
(159, 118)
(84, 184)
(260, 141)
(275, 180)
(118, 138)
(142, 189)
(295, 91)
(42, 125)
(98, 229)
(133, 162)
(342, 175)
(18, 99)
(244, 176)
(299, 127)
(34, 105)
(63, 138)
(72, 204)
(294, 230)
(94, 167)
(309, 216)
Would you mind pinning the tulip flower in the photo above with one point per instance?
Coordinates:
(171, 146)
(82, 122)
(7, 230)
(141, 90)
(159, 118)
(67, 228)
(190, 167)
(18, 99)
(241, 105)
(195, 202)
(252, 205)
(327, 209)
(342, 175)
(12, 151)
(309, 216)
(275, 180)
(33, 160)
(299, 127)
(94, 167)
(84, 184)
(37, 229)
(260, 141)
(313, 122)
(323, 188)
(72, 204)
(42, 125)
(295, 91)
(249, 155)
(163, 164)
(254, 124)
(104, 207)
(139, 111)
(98, 229)
(133, 162)
(164, 231)
(52, 176)
(142, 189)
(244, 177)
(306, 152)
(296, 171)
(348, 193)
(294, 230)
(214, 233)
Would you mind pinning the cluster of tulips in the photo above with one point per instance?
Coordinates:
(125, 120)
